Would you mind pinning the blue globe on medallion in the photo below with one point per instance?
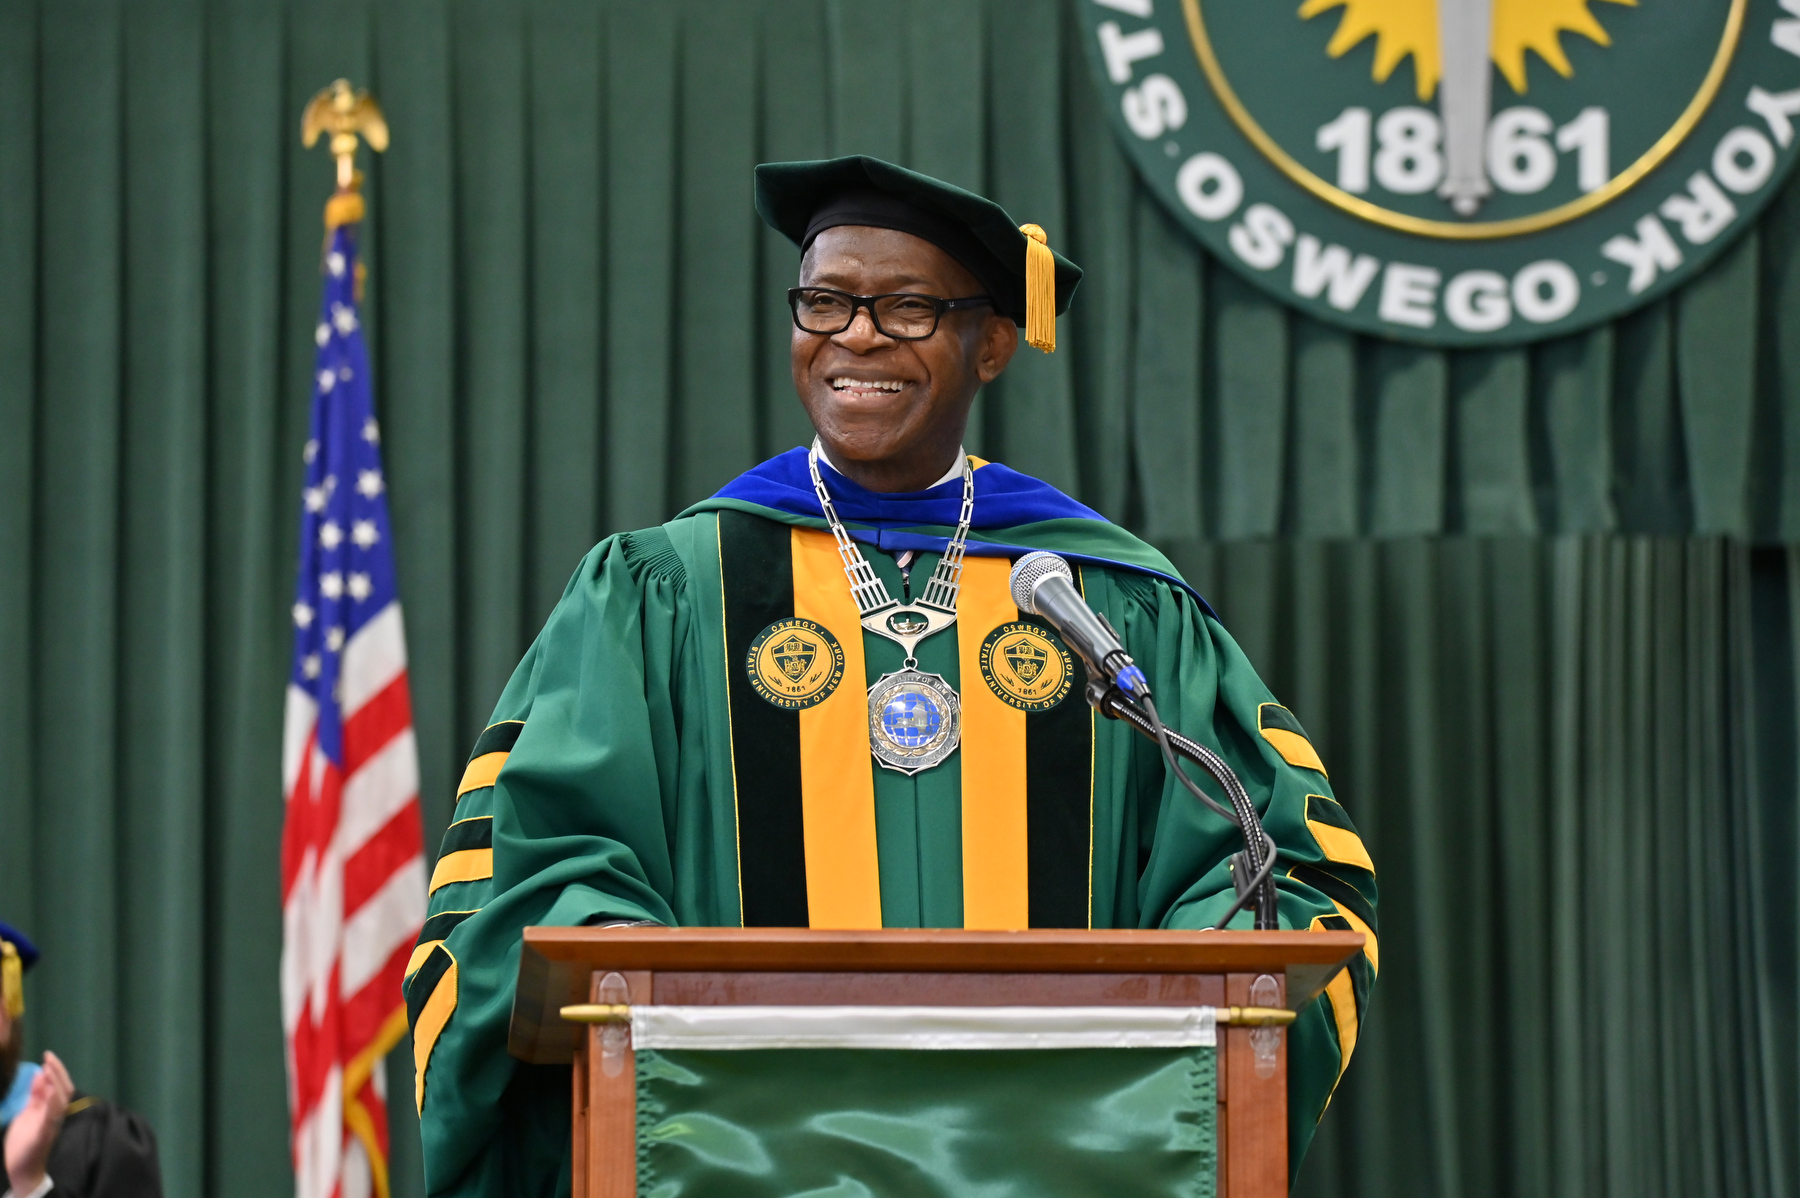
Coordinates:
(911, 719)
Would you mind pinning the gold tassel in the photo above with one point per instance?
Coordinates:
(1040, 290)
(344, 208)
(12, 980)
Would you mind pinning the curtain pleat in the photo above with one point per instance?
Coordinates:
(1535, 605)
(1573, 761)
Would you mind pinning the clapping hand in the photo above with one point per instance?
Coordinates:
(30, 1136)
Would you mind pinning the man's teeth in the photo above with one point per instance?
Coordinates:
(865, 385)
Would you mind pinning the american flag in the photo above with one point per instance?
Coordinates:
(352, 854)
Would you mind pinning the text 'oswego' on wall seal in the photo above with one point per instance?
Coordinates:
(1457, 172)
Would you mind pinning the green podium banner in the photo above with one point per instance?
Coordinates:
(881, 1123)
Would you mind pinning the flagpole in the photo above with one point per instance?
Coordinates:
(350, 765)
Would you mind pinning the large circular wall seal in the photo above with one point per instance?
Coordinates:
(795, 663)
(1456, 172)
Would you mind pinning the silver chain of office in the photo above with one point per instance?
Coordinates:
(915, 718)
(871, 594)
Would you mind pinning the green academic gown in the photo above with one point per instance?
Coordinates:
(604, 792)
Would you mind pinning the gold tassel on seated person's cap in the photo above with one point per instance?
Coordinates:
(1040, 290)
(12, 980)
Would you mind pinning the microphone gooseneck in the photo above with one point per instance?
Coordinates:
(1044, 586)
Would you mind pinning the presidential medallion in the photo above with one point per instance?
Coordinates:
(1026, 666)
(795, 664)
(915, 720)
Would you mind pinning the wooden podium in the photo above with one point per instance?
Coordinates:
(564, 967)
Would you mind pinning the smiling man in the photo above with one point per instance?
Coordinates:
(811, 701)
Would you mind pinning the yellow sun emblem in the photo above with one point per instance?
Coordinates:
(1403, 27)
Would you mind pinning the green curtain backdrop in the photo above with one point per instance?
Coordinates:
(1513, 593)
(1573, 761)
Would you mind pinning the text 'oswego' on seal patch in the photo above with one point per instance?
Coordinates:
(795, 663)
(1026, 666)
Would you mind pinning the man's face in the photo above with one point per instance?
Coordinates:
(881, 402)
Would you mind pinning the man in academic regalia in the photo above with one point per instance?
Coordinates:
(58, 1140)
(705, 733)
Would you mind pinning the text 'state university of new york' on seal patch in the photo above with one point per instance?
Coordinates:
(1456, 172)
(1026, 666)
(795, 664)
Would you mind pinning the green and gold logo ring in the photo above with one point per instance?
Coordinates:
(1026, 666)
(1456, 172)
(795, 664)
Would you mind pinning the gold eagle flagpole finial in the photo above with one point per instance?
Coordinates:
(345, 115)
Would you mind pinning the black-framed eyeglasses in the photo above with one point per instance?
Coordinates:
(902, 315)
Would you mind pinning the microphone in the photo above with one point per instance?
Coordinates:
(1044, 586)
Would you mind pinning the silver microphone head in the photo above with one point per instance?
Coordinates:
(1032, 569)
